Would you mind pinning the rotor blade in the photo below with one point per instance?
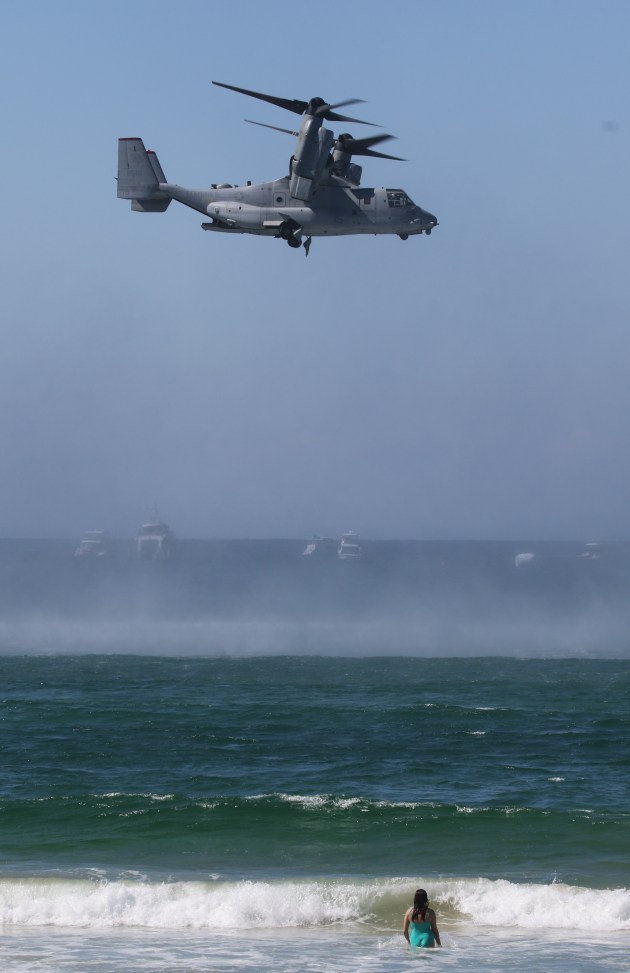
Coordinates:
(287, 131)
(350, 101)
(364, 146)
(380, 155)
(332, 116)
(299, 107)
(347, 140)
(326, 111)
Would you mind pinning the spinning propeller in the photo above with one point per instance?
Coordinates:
(316, 107)
(345, 142)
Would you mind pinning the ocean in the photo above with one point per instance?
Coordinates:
(179, 792)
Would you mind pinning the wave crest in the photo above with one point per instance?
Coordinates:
(218, 905)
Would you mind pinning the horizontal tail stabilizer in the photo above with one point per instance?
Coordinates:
(149, 205)
(139, 177)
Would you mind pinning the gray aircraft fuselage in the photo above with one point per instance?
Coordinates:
(336, 211)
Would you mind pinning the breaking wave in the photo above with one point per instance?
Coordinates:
(135, 901)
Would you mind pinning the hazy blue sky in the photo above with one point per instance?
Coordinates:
(471, 384)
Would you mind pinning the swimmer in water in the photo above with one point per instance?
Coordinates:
(420, 927)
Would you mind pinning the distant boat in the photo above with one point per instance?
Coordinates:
(591, 550)
(94, 543)
(155, 539)
(349, 547)
(320, 547)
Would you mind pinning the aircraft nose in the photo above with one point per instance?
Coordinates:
(424, 220)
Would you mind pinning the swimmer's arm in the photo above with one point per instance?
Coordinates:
(435, 928)
(406, 925)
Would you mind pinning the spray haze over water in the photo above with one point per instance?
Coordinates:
(265, 598)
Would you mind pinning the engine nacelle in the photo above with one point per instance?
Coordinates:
(311, 155)
(354, 173)
(344, 167)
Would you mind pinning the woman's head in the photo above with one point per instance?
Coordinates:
(420, 904)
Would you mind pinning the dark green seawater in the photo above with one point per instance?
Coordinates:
(252, 768)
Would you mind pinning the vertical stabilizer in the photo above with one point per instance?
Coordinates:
(139, 177)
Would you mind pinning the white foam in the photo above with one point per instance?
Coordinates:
(174, 905)
(329, 802)
(531, 906)
(321, 800)
(217, 905)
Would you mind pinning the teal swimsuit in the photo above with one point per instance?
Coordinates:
(421, 934)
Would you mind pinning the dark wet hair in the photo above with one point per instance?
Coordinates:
(420, 905)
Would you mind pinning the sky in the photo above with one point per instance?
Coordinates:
(472, 384)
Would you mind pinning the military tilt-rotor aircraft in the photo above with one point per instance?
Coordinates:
(321, 196)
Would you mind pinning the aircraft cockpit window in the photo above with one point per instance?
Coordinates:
(396, 197)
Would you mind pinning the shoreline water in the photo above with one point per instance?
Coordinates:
(465, 947)
(276, 813)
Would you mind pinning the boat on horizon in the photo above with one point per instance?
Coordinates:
(349, 547)
(155, 539)
(94, 543)
(320, 547)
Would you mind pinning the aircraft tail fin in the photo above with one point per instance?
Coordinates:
(139, 177)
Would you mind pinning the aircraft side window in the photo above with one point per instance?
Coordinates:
(396, 197)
